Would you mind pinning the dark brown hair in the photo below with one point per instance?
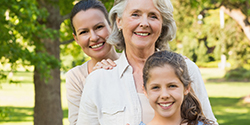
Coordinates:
(191, 110)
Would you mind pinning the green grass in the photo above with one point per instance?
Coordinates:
(17, 100)
(225, 98)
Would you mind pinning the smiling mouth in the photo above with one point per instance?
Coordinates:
(166, 105)
(97, 45)
(142, 34)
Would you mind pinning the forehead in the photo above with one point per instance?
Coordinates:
(145, 5)
(91, 15)
(163, 75)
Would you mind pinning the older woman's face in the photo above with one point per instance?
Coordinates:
(141, 24)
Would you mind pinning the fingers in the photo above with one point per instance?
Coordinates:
(105, 64)
(111, 62)
(98, 65)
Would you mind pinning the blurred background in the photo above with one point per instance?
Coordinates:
(37, 49)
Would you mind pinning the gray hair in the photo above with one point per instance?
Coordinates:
(168, 33)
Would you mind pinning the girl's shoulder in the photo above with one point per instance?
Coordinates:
(201, 123)
(142, 123)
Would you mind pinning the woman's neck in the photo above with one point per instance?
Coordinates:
(137, 60)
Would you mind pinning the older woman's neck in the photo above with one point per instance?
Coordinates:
(137, 60)
(138, 57)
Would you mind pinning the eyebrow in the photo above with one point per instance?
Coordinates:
(87, 28)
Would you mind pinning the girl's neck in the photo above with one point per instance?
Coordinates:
(159, 120)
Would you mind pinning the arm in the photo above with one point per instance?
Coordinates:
(74, 88)
(88, 114)
(200, 89)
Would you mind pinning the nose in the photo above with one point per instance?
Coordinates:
(144, 22)
(93, 36)
(164, 94)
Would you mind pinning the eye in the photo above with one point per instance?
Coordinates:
(83, 32)
(135, 14)
(99, 27)
(153, 16)
(172, 86)
(155, 87)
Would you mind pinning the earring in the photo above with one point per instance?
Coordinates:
(119, 29)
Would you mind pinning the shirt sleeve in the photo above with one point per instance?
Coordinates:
(200, 89)
(88, 114)
(74, 88)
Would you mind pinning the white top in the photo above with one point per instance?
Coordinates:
(75, 80)
(110, 96)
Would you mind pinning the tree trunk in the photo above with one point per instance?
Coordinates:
(240, 18)
(48, 110)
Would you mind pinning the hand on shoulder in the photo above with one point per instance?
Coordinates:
(105, 64)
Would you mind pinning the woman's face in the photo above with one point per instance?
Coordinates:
(141, 24)
(165, 91)
(92, 30)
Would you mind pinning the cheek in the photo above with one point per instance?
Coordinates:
(83, 41)
(130, 24)
(157, 27)
(179, 95)
(153, 96)
(106, 31)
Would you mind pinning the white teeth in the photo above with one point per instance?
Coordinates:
(166, 105)
(142, 34)
(97, 45)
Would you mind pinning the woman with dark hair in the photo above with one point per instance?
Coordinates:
(90, 24)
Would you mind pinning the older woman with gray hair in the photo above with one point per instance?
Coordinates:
(115, 97)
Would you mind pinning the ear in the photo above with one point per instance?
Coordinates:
(75, 37)
(119, 22)
(187, 90)
(144, 91)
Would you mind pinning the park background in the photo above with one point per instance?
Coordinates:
(37, 49)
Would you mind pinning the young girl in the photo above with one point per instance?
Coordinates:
(168, 87)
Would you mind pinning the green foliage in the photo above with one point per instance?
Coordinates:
(202, 40)
(5, 112)
(212, 64)
(202, 55)
(108, 4)
(238, 74)
(20, 24)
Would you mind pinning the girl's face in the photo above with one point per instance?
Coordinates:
(165, 92)
(141, 24)
(92, 30)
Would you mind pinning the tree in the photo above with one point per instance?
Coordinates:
(32, 32)
(38, 23)
(207, 29)
(31, 35)
(237, 9)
